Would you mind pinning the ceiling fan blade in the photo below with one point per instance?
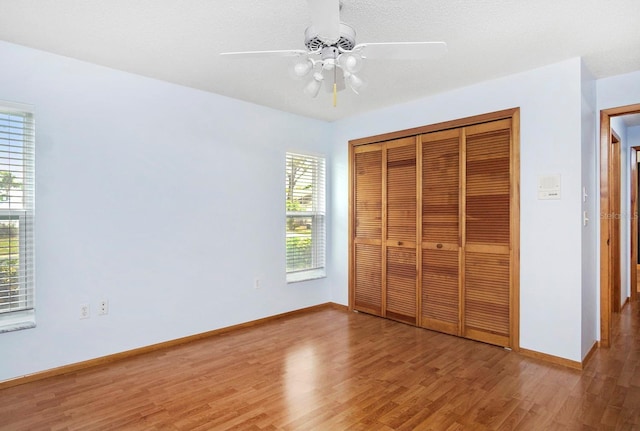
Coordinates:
(254, 54)
(402, 50)
(325, 19)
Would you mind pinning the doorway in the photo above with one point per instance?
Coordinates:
(610, 220)
(614, 214)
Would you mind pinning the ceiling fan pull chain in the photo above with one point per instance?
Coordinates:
(335, 85)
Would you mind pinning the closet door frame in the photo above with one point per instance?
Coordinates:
(514, 246)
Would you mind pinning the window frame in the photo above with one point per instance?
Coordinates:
(318, 218)
(23, 317)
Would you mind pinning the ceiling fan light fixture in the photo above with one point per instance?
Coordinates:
(313, 86)
(354, 82)
(350, 62)
(302, 67)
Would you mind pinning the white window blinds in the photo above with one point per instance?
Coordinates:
(16, 217)
(305, 205)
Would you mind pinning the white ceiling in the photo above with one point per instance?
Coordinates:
(179, 41)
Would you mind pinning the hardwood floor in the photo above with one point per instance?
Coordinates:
(335, 370)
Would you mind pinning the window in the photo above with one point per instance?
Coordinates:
(305, 217)
(16, 217)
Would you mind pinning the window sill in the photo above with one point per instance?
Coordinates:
(17, 321)
(314, 274)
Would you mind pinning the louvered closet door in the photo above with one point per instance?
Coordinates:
(487, 233)
(367, 253)
(400, 253)
(440, 288)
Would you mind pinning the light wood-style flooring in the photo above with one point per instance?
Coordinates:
(330, 369)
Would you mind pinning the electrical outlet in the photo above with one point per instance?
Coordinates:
(256, 283)
(103, 307)
(85, 312)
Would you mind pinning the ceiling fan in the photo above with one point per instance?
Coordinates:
(332, 55)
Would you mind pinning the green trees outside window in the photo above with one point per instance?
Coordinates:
(305, 212)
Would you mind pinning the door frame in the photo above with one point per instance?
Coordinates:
(633, 276)
(605, 222)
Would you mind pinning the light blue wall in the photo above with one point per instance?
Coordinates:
(164, 200)
(620, 90)
(590, 285)
(633, 135)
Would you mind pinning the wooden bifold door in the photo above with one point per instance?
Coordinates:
(434, 227)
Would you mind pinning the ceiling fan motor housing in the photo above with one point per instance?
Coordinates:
(346, 42)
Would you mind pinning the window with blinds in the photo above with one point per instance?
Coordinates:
(305, 206)
(16, 217)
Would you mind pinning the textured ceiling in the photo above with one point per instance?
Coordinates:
(179, 41)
